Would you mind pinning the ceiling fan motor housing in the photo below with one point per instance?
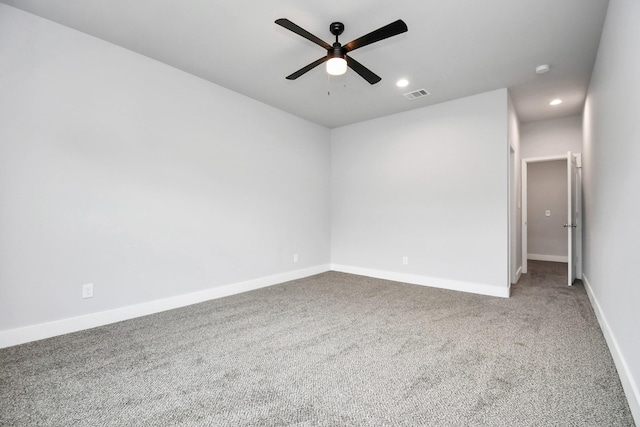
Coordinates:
(336, 51)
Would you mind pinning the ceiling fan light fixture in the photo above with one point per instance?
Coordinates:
(336, 66)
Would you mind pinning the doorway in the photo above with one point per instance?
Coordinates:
(551, 211)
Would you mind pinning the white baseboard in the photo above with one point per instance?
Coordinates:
(454, 285)
(554, 258)
(626, 378)
(40, 331)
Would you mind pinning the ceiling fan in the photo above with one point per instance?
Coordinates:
(336, 58)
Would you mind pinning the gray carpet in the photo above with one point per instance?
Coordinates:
(331, 350)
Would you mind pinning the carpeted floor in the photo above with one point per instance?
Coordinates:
(331, 350)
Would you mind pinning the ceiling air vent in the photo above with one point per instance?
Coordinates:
(416, 94)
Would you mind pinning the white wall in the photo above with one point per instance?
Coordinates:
(551, 137)
(430, 184)
(547, 190)
(612, 191)
(146, 181)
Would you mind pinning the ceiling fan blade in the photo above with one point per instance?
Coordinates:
(309, 67)
(302, 32)
(390, 30)
(364, 72)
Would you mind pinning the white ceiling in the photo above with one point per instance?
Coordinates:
(453, 49)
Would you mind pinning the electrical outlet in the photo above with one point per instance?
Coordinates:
(295, 257)
(405, 260)
(547, 212)
(87, 290)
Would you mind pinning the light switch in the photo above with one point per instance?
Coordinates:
(547, 213)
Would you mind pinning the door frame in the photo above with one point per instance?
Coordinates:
(524, 170)
(514, 271)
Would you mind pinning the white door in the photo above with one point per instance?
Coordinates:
(571, 224)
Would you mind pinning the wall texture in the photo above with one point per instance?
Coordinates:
(611, 191)
(148, 182)
(551, 137)
(431, 185)
(547, 190)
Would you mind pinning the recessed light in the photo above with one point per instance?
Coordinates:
(556, 102)
(402, 83)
